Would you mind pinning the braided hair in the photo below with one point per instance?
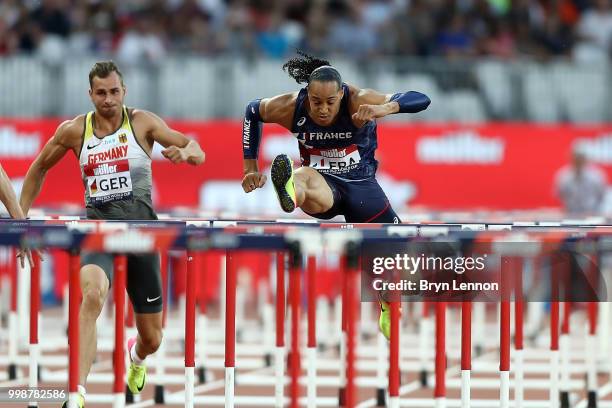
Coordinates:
(309, 68)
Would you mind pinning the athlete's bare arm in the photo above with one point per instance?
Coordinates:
(178, 147)
(8, 197)
(368, 104)
(67, 137)
(277, 109)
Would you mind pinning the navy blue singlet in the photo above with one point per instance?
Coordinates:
(340, 149)
(344, 155)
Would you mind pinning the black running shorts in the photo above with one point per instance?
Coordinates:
(143, 281)
(143, 271)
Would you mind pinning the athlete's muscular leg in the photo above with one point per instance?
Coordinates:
(94, 286)
(149, 326)
(312, 191)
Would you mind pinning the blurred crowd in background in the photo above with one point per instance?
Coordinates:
(147, 30)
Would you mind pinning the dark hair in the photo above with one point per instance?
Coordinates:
(309, 69)
(103, 69)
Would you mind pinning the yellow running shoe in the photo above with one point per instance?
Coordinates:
(282, 178)
(80, 402)
(384, 321)
(137, 374)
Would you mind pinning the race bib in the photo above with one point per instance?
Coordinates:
(335, 160)
(108, 182)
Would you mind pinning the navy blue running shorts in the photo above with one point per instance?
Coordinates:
(359, 201)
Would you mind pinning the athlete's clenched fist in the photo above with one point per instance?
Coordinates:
(253, 180)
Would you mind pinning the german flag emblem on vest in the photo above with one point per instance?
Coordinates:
(123, 138)
(93, 187)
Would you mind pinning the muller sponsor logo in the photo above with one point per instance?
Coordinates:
(598, 149)
(104, 169)
(333, 153)
(460, 147)
(14, 143)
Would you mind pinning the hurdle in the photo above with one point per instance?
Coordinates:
(311, 267)
(349, 346)
(590, 355)
(73, 332)
(73, 329)
(120, 269)
(505, 349)
(504, 335)
(466, 352)
(295, 264)
(564, 351)
(279, 356)
(161, 352)
(554, 354)
(519, 358)
(440, 385)
(12, 323)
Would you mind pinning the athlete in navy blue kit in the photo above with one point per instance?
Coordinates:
(335, 125)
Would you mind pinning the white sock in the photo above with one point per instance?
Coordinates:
(135, 358)
(81, 390)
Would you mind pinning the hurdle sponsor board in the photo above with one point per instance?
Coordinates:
(440, 166)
